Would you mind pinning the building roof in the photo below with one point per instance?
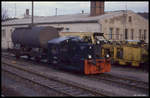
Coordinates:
(145, 15)
(73, 18)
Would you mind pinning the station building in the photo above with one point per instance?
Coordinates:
(116, 25)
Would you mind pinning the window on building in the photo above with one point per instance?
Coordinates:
(130, 19)
(110, 33)
(132, 34)
(117, 33)
(11, 30)
(67, 29)
(140, 34)
(3, 33)
(126, 34)
(94, 4)
(144, 34)
(60, 28)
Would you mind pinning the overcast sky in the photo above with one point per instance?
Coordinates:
(48, 8)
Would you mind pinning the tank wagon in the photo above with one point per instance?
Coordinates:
(34, 36)
(71, 53)
(32, 41)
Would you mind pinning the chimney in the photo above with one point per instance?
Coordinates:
(27, 12)
(97, 8)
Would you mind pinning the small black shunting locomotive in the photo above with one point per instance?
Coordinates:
(71, 53)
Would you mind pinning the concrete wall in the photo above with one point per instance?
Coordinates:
(121, 22)
(6, 40)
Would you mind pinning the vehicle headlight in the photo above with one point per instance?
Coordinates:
(55, 57)
(107, 56)
(89, 56)
(90, 47)
(98, 42)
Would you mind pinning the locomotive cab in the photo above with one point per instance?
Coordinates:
(73, 53)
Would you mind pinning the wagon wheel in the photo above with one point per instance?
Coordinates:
(144, 66)
(17, 56)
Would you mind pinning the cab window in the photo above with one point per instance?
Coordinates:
(87, 39)
(64, 48)
(54, 50)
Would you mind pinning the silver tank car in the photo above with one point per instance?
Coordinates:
(35, 37)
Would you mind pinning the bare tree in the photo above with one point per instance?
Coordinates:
(4, 14)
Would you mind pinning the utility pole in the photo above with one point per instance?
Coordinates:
(15, 10)
(32, 13)
(56, 12)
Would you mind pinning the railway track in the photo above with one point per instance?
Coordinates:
(47, 82)
(131, 83)
(122, 81)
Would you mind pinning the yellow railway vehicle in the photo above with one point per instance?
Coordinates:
(127, 53)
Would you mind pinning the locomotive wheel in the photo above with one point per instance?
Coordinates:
(37, 59)
(29, 57)
(49, 62)
(17, 54)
